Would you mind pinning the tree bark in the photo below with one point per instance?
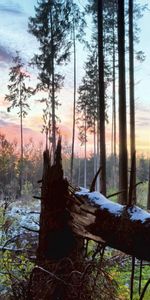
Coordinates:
(54, 231)
(74, 102)
(21, 140)
(85, 154)
(123, 230)
(148, 195)
(60, 251)
(113, 142)
(101, 100)
(94, 142)
(131, 90)
(123, 160)
(53, 87)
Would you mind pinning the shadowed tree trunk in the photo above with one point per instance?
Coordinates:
(101, 99)
(94, 142)
(118, 226)
(85, 150)
(114, 97)
(114, 89)
(98, 156)
(123, 160)
(53, 87)
(74, 102)
(59, 251)
(148, 196)
(21, 141)
(54, 231)
(131, 91)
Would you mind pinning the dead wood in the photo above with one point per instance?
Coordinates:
(124, 228)
(55, 237)
(66, 218)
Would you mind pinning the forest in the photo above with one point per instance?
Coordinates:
(75, 208)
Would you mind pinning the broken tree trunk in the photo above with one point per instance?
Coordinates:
(59, 250)
(55, 237)
(124, 228)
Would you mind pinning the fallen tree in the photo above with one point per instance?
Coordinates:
(68, 217)
(89, 215)
(121, 227)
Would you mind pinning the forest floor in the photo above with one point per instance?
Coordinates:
(19, 225)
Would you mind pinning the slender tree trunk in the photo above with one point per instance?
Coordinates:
(148, 196)
(101, 97)
(74, 102)
(131, 91)
(112, 132)
(49, 132)
(98, 156)
(123, 160)
(79, 171)
(94, 135)
(114, 152)
(53, 88)
(21, 142)
(85, 151)
(114, 90)
(98, 132)
(46, 139)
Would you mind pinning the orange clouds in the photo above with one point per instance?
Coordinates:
(12, 132)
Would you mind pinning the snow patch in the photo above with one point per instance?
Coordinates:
(138, 214)
(102, 201)
(135, 213)
(83, 190)
(23, 217)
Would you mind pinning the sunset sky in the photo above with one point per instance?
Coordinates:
(14, 16)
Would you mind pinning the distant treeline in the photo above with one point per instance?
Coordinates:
(32, 168)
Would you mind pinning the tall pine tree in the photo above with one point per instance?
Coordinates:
(18, 95)
(50, 26)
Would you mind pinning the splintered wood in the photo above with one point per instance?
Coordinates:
(121, 227)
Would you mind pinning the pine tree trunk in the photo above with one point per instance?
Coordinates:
(79, 171)
(85, 142)
(101, 98)
(114, 90)
(94, 136)
(21, 142)
(98, 156)
(131, 90)
(114, 109)
(123, 160)
(53, 88)
(148, 196)
(74, 102)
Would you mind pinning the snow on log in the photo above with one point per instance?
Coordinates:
(124, 228)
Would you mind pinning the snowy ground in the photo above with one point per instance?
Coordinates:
(20, 224)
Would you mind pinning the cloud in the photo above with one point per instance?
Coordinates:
(7, 117)
(2, 123)
(6, 55)
(12, 8)
(12, 132)
(142, 117)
